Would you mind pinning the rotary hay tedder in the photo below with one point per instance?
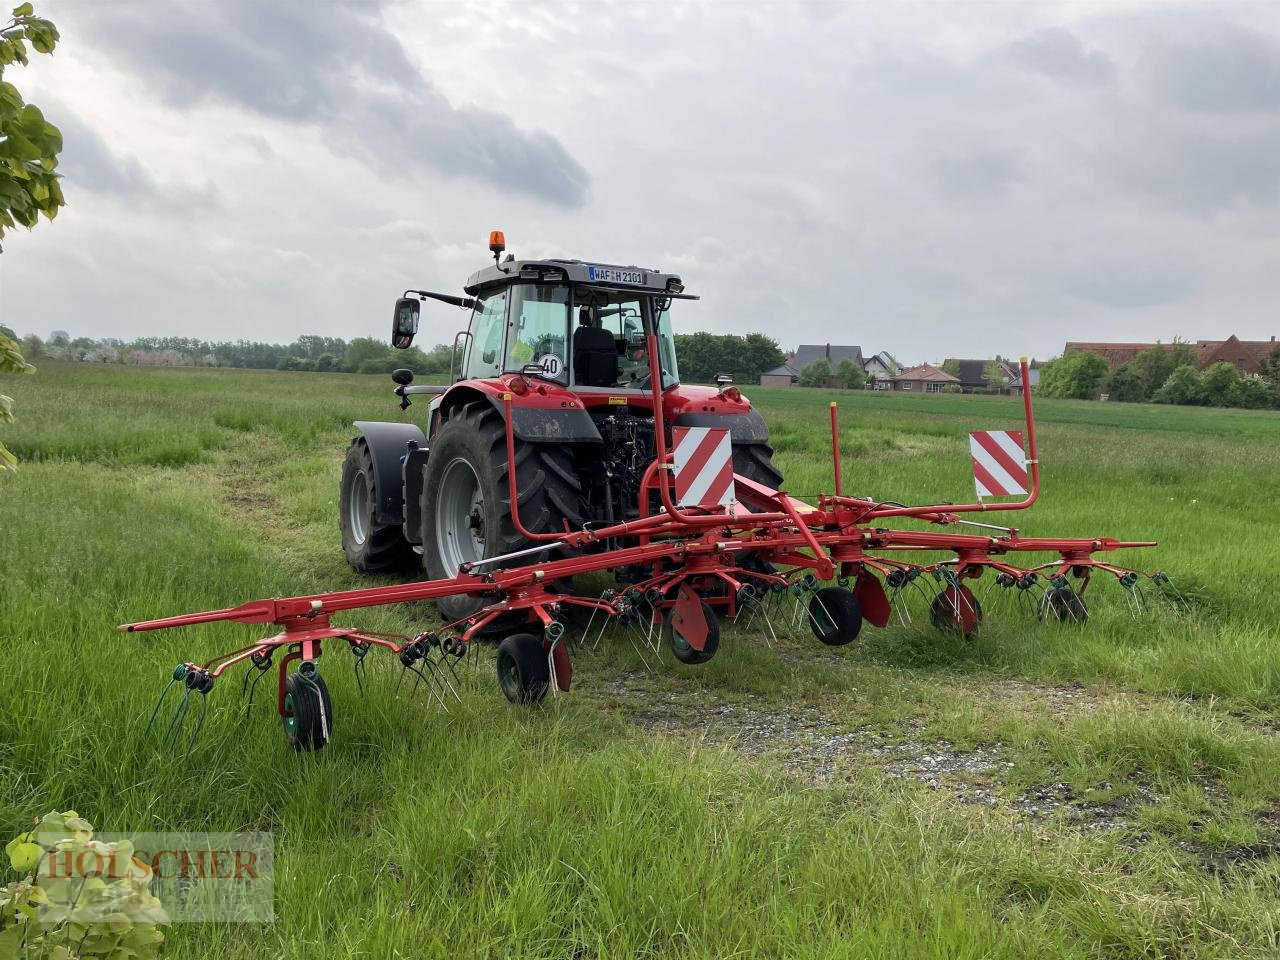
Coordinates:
(705, 543)
(705, 563)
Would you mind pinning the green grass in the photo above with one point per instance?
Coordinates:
(571, 830)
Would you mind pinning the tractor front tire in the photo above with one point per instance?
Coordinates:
(755, 462)
(369, 547)
(465, 505)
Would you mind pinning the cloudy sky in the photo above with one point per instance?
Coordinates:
(959, 179)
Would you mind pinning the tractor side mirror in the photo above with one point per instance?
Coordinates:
(404, 324)
(402, 376)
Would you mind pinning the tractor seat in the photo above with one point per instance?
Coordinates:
(595, 357)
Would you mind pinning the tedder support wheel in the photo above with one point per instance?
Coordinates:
(1065, 604)
(370, 548)
(308, 720)
(466, 513)
(523, 671)
(835, 616)
(677, 636)
(956, 610)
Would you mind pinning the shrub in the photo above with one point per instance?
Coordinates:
(1184, 387)
(56, 914)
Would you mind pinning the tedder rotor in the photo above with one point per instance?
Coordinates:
(563, 451)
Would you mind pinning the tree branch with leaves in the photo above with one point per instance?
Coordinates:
(29, 148)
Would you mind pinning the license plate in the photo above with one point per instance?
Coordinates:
(614, 275)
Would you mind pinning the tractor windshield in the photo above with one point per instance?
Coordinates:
(539, 327)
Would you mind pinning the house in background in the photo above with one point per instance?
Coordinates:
(969, 373)
(925, 378)
(783, 376)
(1016, 386)
(1246, 356)
(880, 369)
(807, 353)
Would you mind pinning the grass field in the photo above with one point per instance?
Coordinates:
(1038, 791)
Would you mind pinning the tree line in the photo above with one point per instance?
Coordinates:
(1162, 375)
(701, 356)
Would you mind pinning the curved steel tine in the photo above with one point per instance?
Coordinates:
(436, 671)
(253, 687)
(195, 734)
(814, 620)
(160, 702)
(179, 717)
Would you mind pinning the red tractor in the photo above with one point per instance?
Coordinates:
(563, 345)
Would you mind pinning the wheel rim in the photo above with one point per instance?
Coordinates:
(460, 519)
(509, 676)
(358, 508)
(291, 718)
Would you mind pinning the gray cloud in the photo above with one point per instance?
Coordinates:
(1224, 68)
(1058, 53)
(336, 66)
(977, 174)
(1130, 286)
(88, 163)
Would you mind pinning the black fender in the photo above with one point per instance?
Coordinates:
(747, 427)
(531, 424)
(389, 444)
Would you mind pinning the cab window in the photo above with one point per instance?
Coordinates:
(539, 330)
(484, 350)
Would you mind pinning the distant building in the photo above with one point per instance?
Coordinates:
(807, 353)
(1016, 386)
(880, 369)
(925, 378)
(1246, 356)
(969, 373)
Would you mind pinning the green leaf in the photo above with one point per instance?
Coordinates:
(24, 854)
(23, 10)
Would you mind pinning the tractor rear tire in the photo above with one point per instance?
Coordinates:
(369, 547)
(755, 462)
(465, 507)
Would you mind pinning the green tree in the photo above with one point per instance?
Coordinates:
(11, 361)
(29, 144)
(1270, 367)
(1077, 375)
(993, 373)
(1217, 383)
(951, 366)
(815, 374)
(1184, 386)
(850, 375)
(1127, 384)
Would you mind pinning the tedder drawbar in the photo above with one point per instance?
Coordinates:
(562, 450)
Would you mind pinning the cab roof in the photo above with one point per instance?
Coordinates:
(606, 276)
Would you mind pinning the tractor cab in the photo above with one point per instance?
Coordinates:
(582, 326)
(550, 389)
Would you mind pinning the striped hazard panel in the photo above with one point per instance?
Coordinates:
(703, 466)
(999, 465)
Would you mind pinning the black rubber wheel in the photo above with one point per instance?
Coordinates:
(835, 616)
(1065, 604)
(755, 462)
(943, 616)
(523, 671)
(465, 507)
(370, 548)
(681, 648)
(309, 722)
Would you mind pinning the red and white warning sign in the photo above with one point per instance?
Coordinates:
(703, 466)
(999, 465)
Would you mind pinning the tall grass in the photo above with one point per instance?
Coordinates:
(567, 832)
